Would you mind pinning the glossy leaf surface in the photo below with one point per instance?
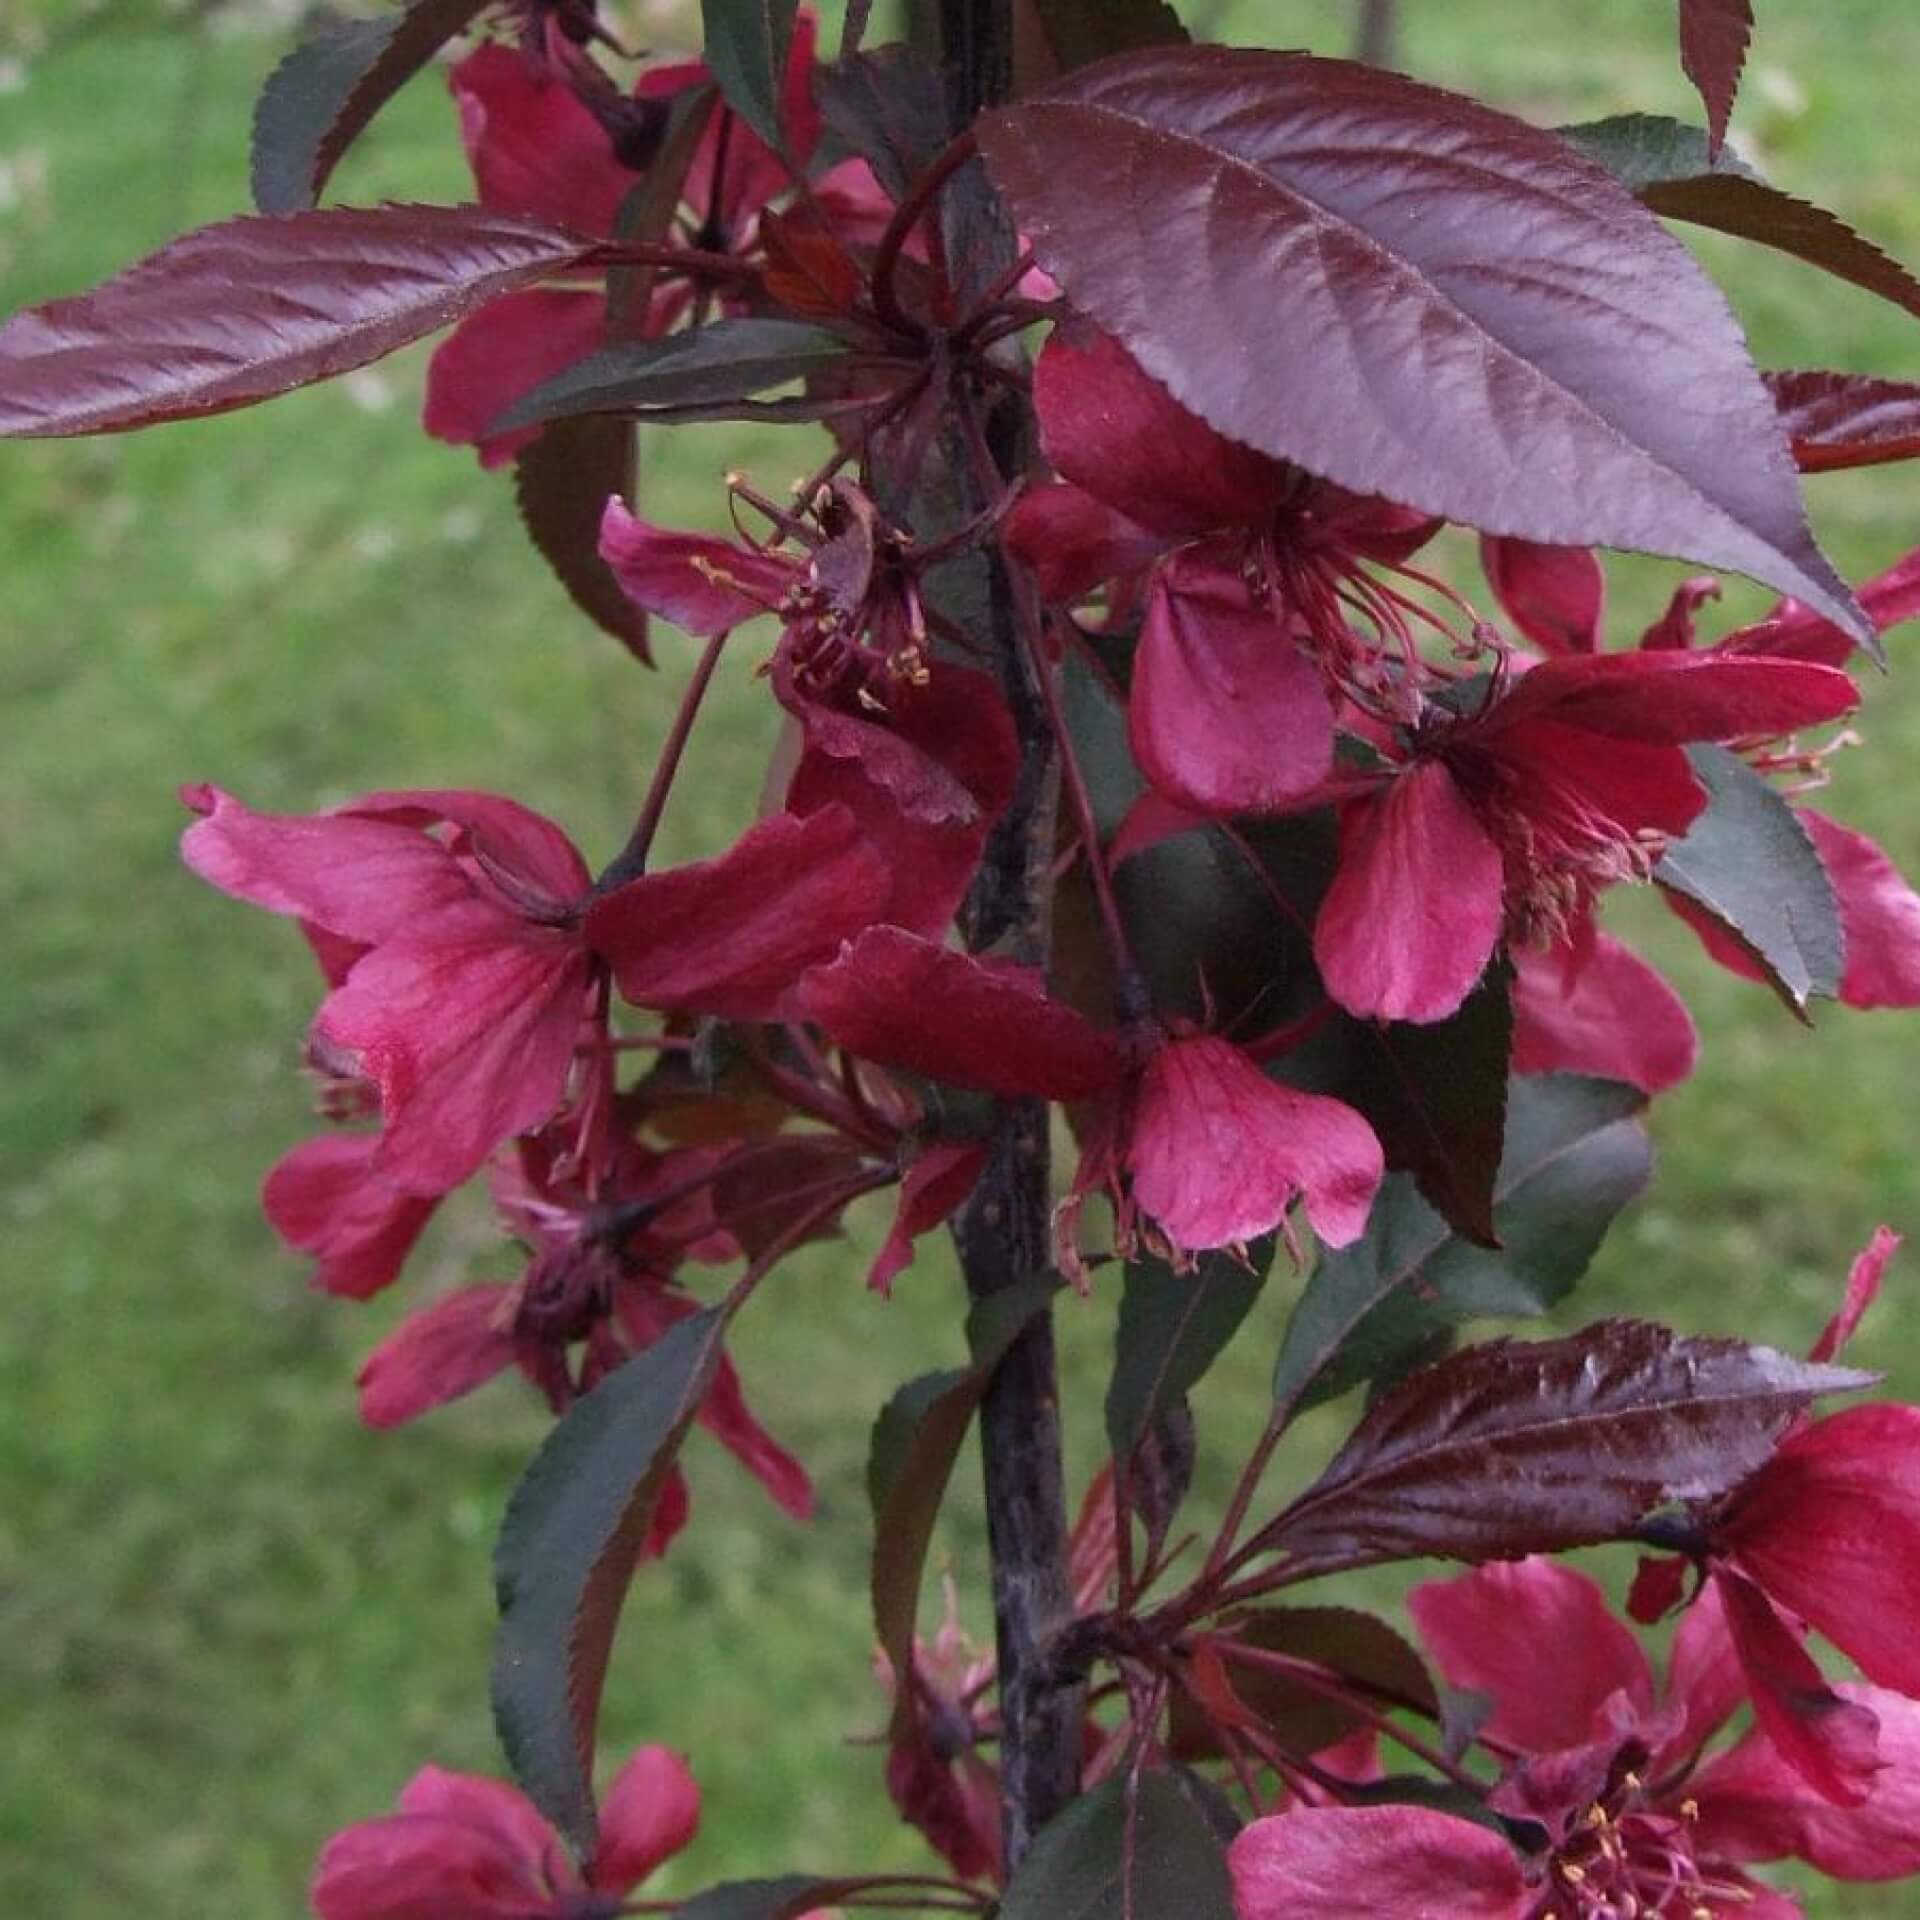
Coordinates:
(1670, 169)
(1714, 35)
(1150, 1855)
(1510, 1448)
(1463, 313)
(255, 307)
(1749, 864)
(747, 43)
(1575, 1154)
(727, 361)
(1836, 420)
(567, 1550)
(562, 482)
(322, 96)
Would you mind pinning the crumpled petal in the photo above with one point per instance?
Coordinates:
(702, 584)
(938, 1180)
(1217, 1151)
(730, 936)
(324, 1199)
(1604, 1012)
(1556, 596)
(1374, 1863)
(649, 1812)
(902, 1001)
(1227, 714)
(437, 1355)
(1541, 1639)
(1416, 907)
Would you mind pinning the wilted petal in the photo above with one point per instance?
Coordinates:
(650, 1811)
(1415, 910)
(495, 356)
(936, 1183)
(1374, 1863)
(1675, 627)
(1556, 596)
(438, 1354)
(1541, 1639)
(902, 1001)
(1217, 1151)
(730, 936)
(324, 1199)
(1863, 1289)
(701, 584)
(1830, 1528)
(1109, 426)
(1604, 1012)
(1879, 916)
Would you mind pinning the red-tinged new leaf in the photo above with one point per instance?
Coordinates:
(1714, 35)
(1836, 420)
(1509, 1448)
(1671, 168)
(567, 1550)
(1514, 330)
(563, 481)
(321, 97)
(255, 307)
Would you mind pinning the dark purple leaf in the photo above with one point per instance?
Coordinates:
(1836, 420)
(1144, 1851)
(1713, 49)
(255, 307)
(1752, 868)
(1520, 345)
(1510, 1449)
(567, 1550)
(1669, 167)
(1575, 1154)
(562, 481)
(715, 365)
(1080, 31)
(889, 107)
(320, 98)
(747, 44)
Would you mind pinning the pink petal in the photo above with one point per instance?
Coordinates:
(523, 850)
(1863, 1289)
(1374, 1863)
(438, 1355)
(1109, 427)
(485, 1805)
(1073, 540)
(1754, 1806)
(357, 879)
(1830, 1528)
(1551, 768)
(467, 1023)
(1832, 1743)
(1794, 632)
(1218, 1151)
(1416, 908)
(1705, 1682)
(703, 585)
(1879, 916)
(931, 1188)
(1606, 1013)
(498, 354)
(423, 1867)
(534, 148)
(324, 1199)
(1541, 1639)
(725, 1414)
(730, 936)
(650, 1812)
(1227, 714)
(1675, 627)
(1556, 596)
(904, 1002)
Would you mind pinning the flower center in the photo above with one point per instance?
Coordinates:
(1625, 1861)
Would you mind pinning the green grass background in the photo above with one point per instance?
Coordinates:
(231, 1620)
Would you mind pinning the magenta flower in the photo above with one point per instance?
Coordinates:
(324, 1199)
(463, 1847)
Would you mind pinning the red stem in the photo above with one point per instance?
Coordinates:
(906, 216)
(632, 861)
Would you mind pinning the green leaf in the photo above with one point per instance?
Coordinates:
(1574, 1155)
(910, 1459)
(566, 1554)
(724, 362)
(320, 98)
(1079, 31)
(781, 1898)
(1752, 868)
(1668, 165)
(747, 44)
(1172, 1328)
(562, 481)
(1103, 1859)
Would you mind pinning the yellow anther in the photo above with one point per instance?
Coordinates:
(1689, 1809)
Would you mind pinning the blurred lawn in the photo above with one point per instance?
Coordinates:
(230, 1620)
